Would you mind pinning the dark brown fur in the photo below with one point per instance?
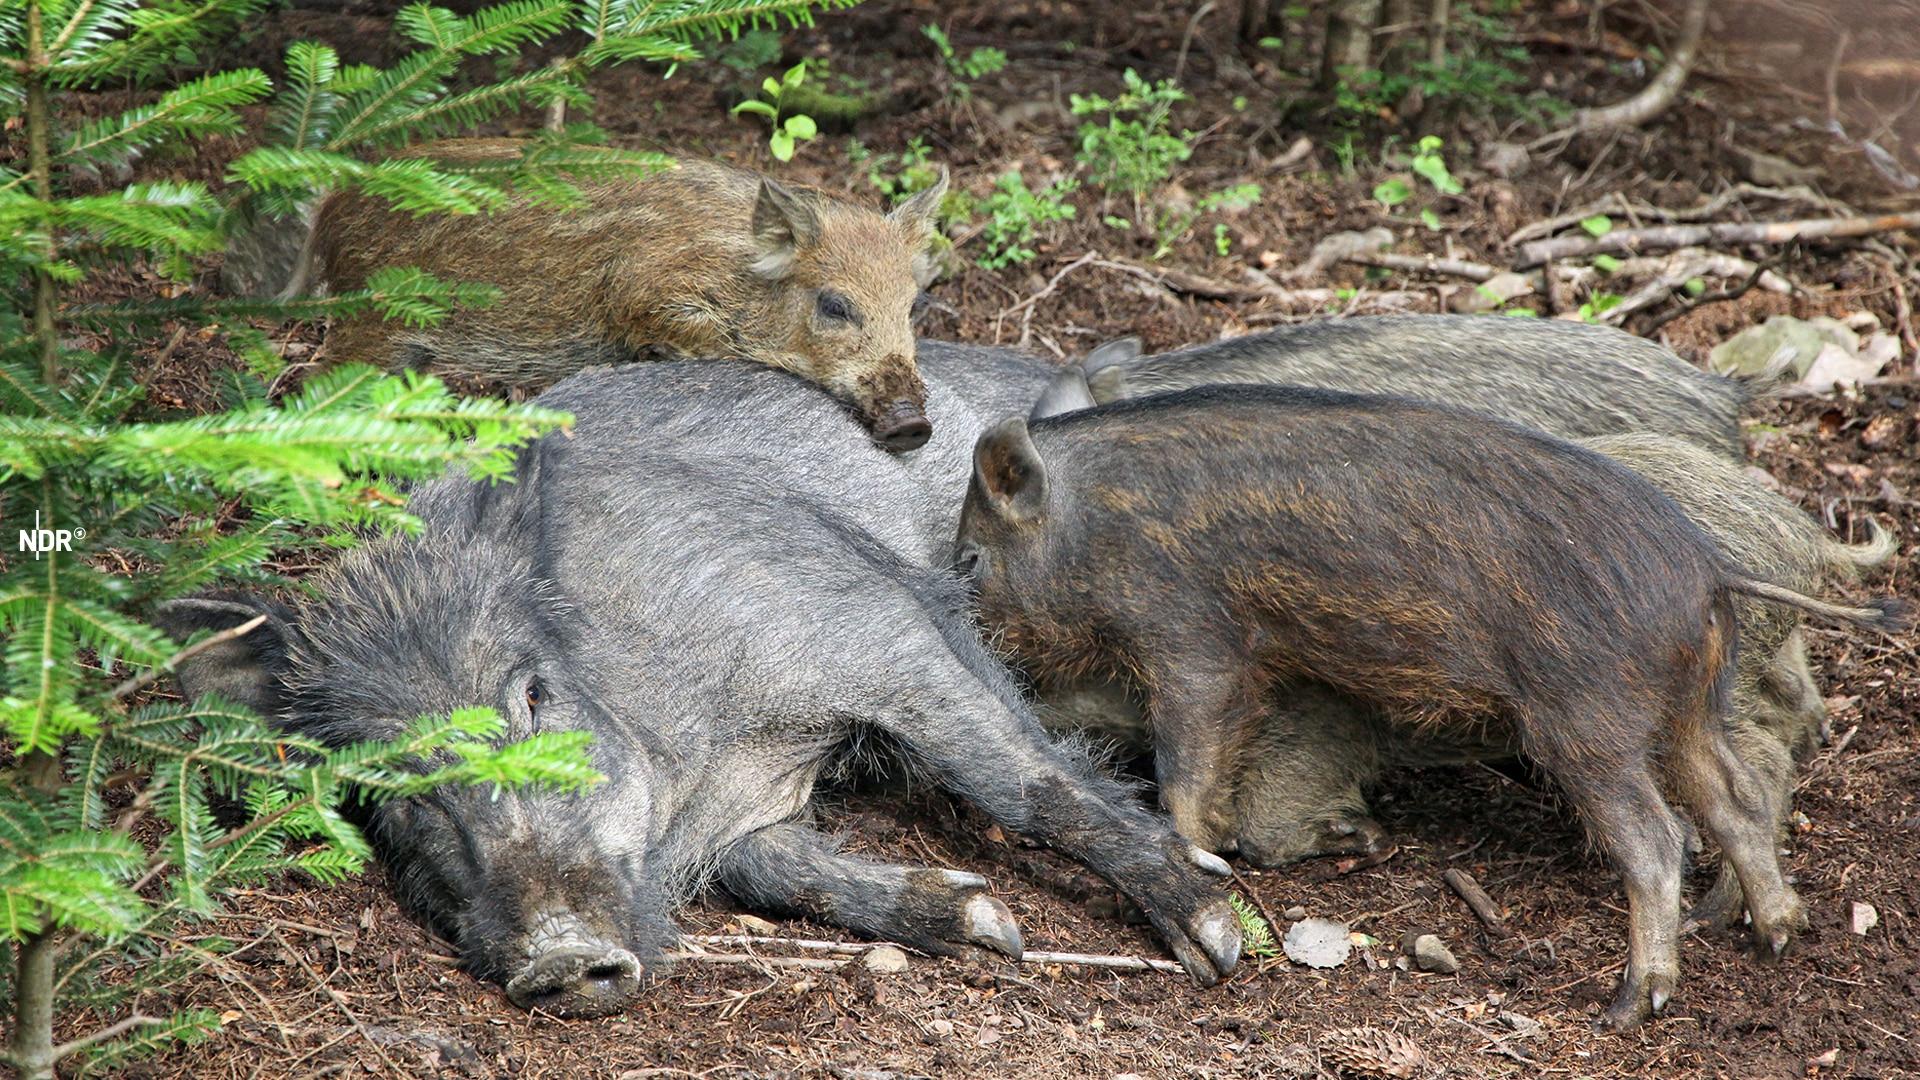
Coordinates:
(701, 260)
(1462, 576)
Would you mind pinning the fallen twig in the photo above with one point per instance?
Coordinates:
(1656, 96)
(1616, 203)
(1425, 264)
(1116, 963)
(1478, 901)
(1635, 241)
(1705, 298)
(852, 950)
(811, 963)
(1026, 323)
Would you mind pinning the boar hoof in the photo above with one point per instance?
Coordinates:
(990, 925)
(1211, 863)
(1721, 908)
(577, 981)
(1640, 997)
(1217, 932)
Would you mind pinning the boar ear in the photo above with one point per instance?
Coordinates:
(1108, 384)
(1067, 393)
(783, 223)
(917, 215)
(246, 669)
(1117, 351)
(1009, 473)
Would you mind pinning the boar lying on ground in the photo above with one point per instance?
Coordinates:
(724, 581)
(699, 260)
(1458, 574)
(1567, 379)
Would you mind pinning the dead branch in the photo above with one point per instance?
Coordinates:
(1716, 296)
(1425, 264)
(1116, 963)
(1677, 269)
(1616, 203)
(1635, 241)
(850, 948)
(1656, 97)
(810, 963)
(1477, 899)
(1337, 248)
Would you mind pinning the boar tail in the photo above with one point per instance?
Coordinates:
(1878, 548)
(1888, 613)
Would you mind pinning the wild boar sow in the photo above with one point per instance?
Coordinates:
(1566, 379)
(1457, 573)
(699, 260)
(725, 582)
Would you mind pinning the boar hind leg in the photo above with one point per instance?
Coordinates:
(1202, 721)
(961, 718)
(1301, 791)
(1740, 808)
(1755, 743)
(1612, 785)
(791, 869)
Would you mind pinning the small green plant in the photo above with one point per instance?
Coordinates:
(1135, 149)
(1014, 216)
(788, 131)
(1256, 936)
(902, 175)
(1222, 240)
(1392, 191)
(1597, 226)
(977, 64)
(1432, 167)
(1599, 304)
(1173, 226)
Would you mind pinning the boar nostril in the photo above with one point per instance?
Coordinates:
(577, 981)
(903, 428)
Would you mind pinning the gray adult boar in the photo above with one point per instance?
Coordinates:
(1567, 379)
(723, 579)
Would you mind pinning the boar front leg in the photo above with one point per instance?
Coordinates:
(965, 721)
(1203, 718)
(790, 869)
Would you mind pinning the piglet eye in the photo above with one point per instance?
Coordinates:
(535, 694)
(834, 308)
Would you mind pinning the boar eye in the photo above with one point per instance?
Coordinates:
(835, 308)
(535, 695)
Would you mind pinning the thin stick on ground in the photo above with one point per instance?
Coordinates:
(852, 950)
(1478, 901)
(1657, 96)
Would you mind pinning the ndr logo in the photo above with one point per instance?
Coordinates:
(39, 540)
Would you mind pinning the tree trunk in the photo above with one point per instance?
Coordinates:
(1260, 19)
(1349, 44)
(40, 172)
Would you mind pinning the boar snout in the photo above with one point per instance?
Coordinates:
(582, 978)
(903, 426)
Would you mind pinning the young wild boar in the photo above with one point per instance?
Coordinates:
(700, 260)
(1457, 573)
(1302, 791)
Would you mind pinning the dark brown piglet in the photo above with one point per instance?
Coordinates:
(1458, 574)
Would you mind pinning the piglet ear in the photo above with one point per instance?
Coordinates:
(1067, 392)
(783, 223)
(1117, 351)
(917, 215)
(1008, 472)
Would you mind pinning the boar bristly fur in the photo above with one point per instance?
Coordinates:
(698, 260)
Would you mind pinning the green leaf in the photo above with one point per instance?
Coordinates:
(1605, 263)
(1695, 286)
(781, 144)
(801, 127)
(1430, 219)
(756, 107)
(1392, 191)
(1597, 226)
(771, 86)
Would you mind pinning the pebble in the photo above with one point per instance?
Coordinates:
(1865, 918)
(1430, 953)
(884, 960)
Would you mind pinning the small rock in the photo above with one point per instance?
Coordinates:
(1320, 943)
(754, 924)
(884, 960)
(1505, 160)
(1491, 293)
(942, 1028)
(1294, 913)
(1521, 1025)
(1865, 918)
(1430, 953)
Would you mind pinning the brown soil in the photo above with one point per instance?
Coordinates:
(337, 981)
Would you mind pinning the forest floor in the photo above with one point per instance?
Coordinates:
(339, 981)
